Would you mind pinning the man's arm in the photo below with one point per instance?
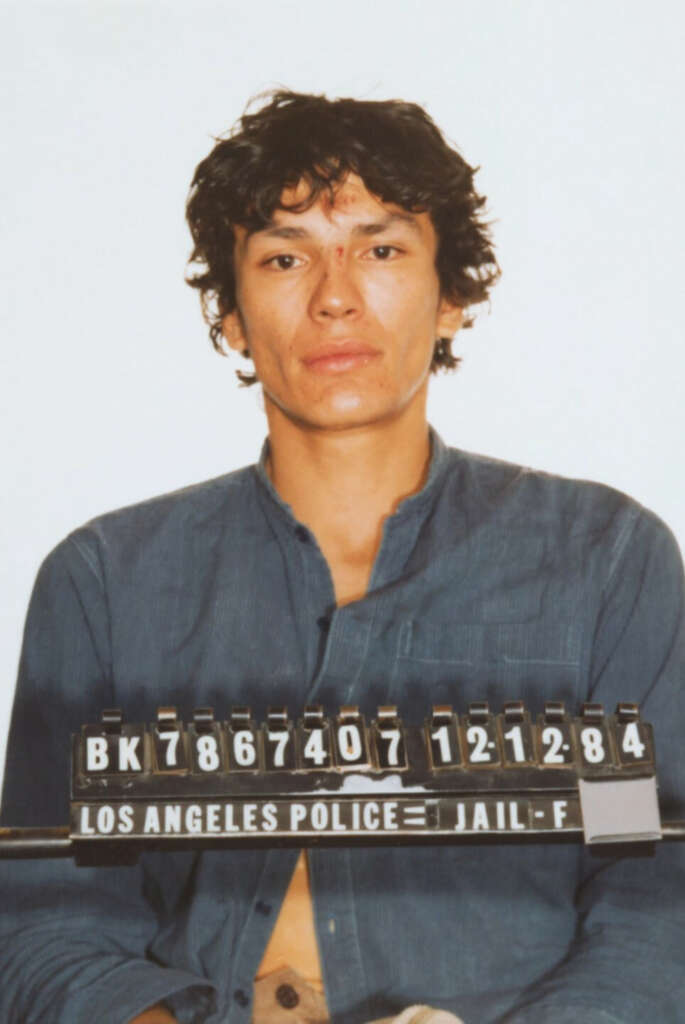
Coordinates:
(627, 961)
(72, 939)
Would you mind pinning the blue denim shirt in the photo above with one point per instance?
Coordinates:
(493, 582)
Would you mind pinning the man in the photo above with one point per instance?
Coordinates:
(360, 562)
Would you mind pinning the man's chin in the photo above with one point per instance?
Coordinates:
(354, 418)
(338, 410)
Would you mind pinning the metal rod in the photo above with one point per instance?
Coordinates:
(25, 843)
(673, 830)
(35, 842)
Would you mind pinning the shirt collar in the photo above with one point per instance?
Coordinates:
(414, 505)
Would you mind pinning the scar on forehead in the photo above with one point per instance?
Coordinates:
(342, 194)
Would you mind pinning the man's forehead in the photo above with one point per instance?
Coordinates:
(350, 190)
(348, 202)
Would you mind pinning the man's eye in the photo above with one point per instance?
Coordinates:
(284, 261)
(384, 252)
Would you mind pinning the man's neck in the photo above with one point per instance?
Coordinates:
(343, 484)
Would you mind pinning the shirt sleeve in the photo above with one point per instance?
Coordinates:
(72, 939)
(627, 962)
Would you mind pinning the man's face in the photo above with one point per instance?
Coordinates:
(339, 307)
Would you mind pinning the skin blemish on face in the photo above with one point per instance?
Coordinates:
(339, 252)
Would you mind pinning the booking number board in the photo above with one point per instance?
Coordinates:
(318, 743)
(335, 778)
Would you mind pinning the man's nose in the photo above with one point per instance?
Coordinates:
(336, 294)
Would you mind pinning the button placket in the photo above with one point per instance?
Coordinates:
(333, 897)
(277, 870)
(318, 598)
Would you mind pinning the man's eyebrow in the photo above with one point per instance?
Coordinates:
(281, 231)
(372, 228)
(378, 227)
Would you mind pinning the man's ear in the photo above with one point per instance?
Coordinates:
(233, 332)
(450, 318)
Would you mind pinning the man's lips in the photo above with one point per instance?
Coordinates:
(336, 358)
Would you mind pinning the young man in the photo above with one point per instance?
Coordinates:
(360, 562)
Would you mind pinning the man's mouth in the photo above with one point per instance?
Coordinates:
(338, 357)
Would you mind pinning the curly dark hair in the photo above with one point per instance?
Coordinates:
(393, 146)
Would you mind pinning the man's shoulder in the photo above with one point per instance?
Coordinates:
(199, 499)
(498, 480)
(539, 500)
(165, 521)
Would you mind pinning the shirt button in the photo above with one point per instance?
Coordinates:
(287, 997)
(324, 623)
(262, 908)
(302, 534)
(241, 998)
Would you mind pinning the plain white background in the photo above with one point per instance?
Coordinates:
(110, 390)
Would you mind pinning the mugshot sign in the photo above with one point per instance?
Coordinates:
(334, 779)
(337, 819)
